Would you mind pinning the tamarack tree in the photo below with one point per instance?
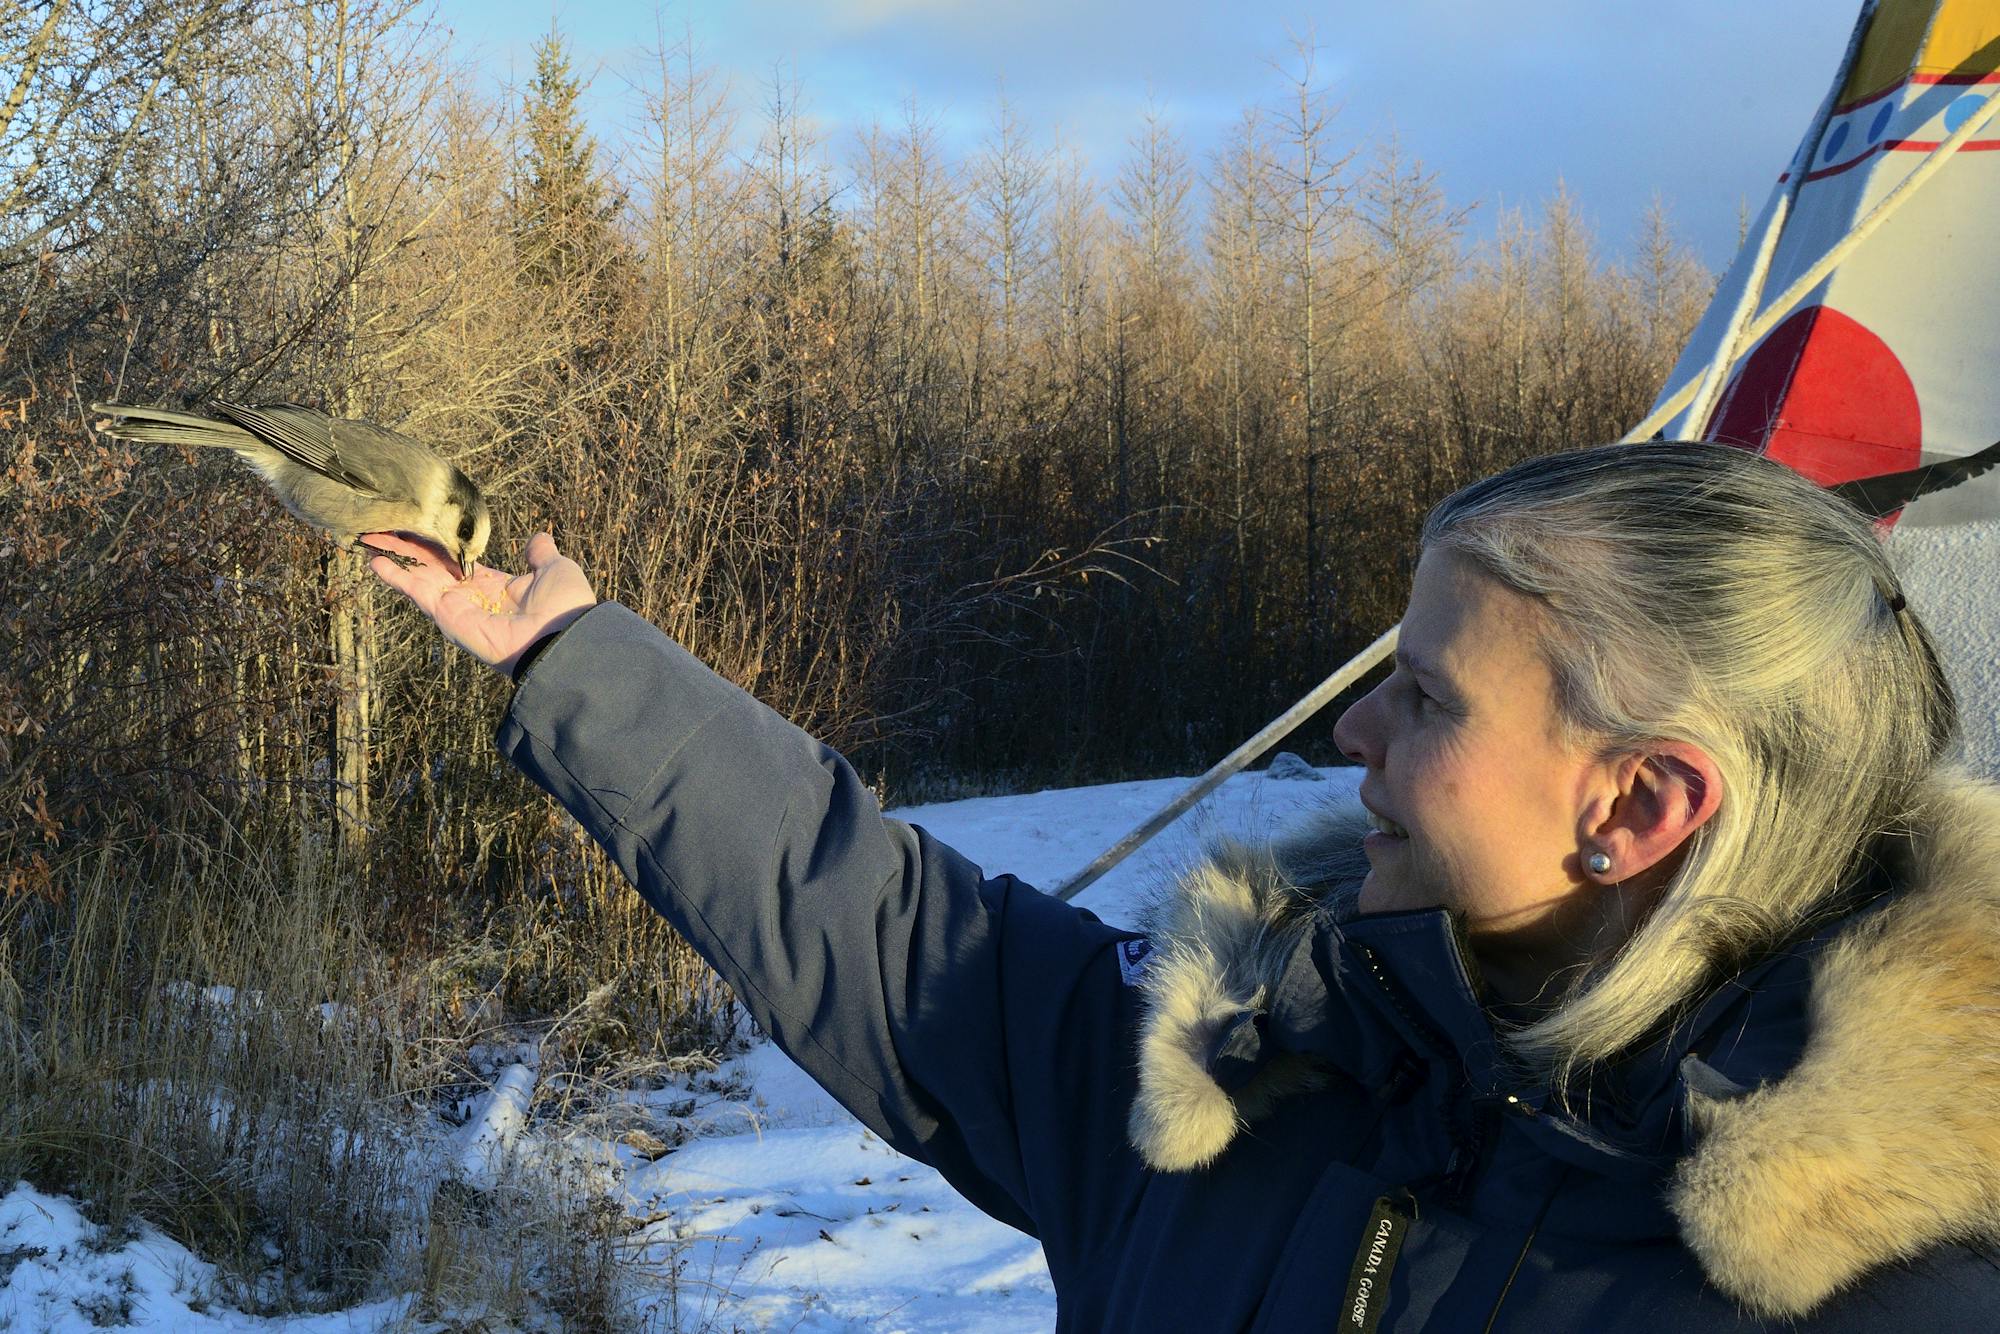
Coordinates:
(986, 470)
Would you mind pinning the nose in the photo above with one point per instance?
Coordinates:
(1357, 735)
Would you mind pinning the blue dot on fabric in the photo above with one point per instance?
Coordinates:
(1833, 141)
(1961, 111)
(1882, 119)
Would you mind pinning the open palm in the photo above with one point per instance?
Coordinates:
(492, 615)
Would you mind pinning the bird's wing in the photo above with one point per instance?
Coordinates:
(303, 435)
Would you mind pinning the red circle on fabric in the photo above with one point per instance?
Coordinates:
(1826, 397)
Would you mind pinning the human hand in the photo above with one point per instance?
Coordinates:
(492, 615)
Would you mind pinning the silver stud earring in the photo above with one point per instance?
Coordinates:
(1600, 862)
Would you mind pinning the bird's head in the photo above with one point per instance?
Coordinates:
(470, 523)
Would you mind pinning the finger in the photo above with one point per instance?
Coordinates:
(410, 583)
(542, 550)
(402, 546)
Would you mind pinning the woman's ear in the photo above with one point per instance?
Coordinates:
(1663, 794)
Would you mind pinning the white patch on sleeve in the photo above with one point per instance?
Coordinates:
(1133, 956)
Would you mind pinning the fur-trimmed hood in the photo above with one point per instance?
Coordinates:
(1857, 1129)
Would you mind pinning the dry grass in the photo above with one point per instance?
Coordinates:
(212, 1046)
(217, 1045)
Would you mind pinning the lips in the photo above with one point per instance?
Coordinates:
(1382, 824)
(1389, 827)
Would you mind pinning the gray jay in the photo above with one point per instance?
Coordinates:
(345, 476)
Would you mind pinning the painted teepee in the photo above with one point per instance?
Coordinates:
(1857, 335)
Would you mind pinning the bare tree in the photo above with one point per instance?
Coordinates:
(344, 74)
(1075, 245)
(87, 80)
(1242, 267)
(1152, 193)
(1010, 190)
(692, 209)
(1311, 190)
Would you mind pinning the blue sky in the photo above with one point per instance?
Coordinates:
(1700, 101)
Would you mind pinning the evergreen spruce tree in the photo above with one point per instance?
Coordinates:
(563, 206)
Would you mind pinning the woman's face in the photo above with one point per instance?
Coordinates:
(1489, 807)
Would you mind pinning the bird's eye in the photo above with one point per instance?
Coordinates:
(465, 529)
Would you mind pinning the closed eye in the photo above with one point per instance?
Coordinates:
(1424, 699)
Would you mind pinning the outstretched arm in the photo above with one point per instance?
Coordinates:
(974, 1023)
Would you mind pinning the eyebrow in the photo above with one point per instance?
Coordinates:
(1418, 667)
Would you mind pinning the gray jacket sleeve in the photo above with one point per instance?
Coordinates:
(974, 1023)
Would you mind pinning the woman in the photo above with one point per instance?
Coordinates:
(1666, 997)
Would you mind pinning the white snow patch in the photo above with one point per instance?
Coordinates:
(1044, 837)
(62, 1274)
(829, 1222)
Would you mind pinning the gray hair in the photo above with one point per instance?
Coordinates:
(1704, 594)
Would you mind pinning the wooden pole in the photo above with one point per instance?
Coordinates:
(1237, 760)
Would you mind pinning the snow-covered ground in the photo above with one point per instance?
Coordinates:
(63, 1273)
(777, 1210)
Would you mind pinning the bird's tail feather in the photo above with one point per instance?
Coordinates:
(162, 426)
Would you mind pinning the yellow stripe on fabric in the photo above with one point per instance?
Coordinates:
(1965, 39)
